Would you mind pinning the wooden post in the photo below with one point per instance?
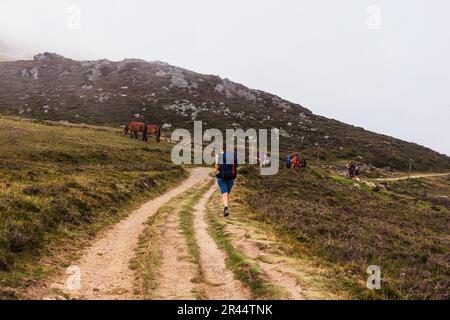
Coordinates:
(318, 153)
(410, 166)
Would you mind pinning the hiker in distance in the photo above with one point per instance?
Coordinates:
(226, 172)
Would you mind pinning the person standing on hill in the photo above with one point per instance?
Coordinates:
(357, 170)
(226, 173)
(351, 170)
(288, 161)
(295, 161)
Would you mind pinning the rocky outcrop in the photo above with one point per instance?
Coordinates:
(126, 63)
(32, 73)
(46, 56)
(232, 90)
(178, 79)
(95, 71)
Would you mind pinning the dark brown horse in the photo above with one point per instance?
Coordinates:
(135, 128)
(152, 129)
(139, 127)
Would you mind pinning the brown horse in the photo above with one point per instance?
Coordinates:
(152, 129)
(139, 127)
(135, 128)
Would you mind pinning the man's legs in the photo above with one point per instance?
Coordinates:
(225, 198)
(225, 189)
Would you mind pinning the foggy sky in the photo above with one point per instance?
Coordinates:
(321, 54)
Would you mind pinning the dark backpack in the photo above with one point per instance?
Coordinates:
(289, 161)
(228, 171)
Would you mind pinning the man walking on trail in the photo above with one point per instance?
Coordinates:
(226, 172)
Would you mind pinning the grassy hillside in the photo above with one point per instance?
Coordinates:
(405, 230)
(114, 93)
(58, 182)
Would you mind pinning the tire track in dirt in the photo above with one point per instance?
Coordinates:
(283, 271)
(414, 176)
(105, 271)
(273, 271)
(218, 281)
(177, 271)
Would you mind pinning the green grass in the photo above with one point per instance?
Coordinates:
(149, 256)
(59, 184)
(343, 180)
(187, 225)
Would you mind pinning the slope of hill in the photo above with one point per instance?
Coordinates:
(52, 87)
(347, 226)
(59, 182)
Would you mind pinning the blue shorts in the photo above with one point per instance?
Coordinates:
(225, 186)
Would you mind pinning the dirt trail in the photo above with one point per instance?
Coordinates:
(291, 277)
(219, 282)
(176, 271)
(297, 281)
(105, 265)
(273, 268)
(414, 176)
(105, 272)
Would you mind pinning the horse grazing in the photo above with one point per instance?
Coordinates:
(139, 127)
(152, 129)
(135, 128)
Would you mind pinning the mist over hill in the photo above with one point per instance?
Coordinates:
(11, 53)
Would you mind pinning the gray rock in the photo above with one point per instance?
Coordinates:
(47, 56)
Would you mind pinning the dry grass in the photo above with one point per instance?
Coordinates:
(404, 231)
(57, 182)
